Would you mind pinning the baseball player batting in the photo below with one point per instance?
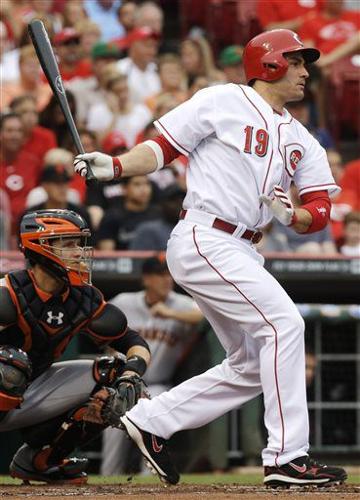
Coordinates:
(244, 149)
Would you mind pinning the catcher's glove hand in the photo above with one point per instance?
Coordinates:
(109, 404)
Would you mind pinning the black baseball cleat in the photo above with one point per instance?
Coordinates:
(303, 471)
(69, 471)
(154, 449)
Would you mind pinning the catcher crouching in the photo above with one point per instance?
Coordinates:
(59, 406)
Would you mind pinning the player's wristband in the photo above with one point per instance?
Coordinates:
(136, 364)
(117, 167)
(294, 219)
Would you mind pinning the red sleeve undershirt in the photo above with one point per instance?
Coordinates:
(169, 152)
(319, 205)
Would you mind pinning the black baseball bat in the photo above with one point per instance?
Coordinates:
(44, 51)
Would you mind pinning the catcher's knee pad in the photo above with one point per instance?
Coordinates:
(107, 369)
(15, 374)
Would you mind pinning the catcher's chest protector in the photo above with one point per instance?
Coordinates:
(49, 326)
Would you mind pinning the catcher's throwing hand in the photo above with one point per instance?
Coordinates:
(102, 165)
(281, 206)
(110, 403)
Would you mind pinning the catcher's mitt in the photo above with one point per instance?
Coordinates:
(109, 404)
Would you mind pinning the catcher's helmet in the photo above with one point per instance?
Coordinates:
(263, 55)
(57, 240)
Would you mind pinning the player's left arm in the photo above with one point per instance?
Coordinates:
(314, 213)
(312, 216)
(110, 328)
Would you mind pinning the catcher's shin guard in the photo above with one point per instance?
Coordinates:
(52, 441)
(57, 438)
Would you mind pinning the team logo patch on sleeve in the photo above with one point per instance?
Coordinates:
(293, 154)
(295, 157)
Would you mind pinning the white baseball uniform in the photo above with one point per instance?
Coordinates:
(168, 340)
(238, 149)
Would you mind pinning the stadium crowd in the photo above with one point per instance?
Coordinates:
(123, 65)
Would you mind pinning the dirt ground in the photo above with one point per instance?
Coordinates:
(179, 492)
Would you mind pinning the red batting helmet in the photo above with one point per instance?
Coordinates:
(263, 56)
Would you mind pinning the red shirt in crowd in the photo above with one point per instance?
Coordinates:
(83, 69)
(17, 179)
(327, 34)
(40, 141)
(272, 11)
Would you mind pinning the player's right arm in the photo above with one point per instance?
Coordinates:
(181, 129)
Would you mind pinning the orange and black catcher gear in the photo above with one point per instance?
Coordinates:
(263, 56)
(44, 236)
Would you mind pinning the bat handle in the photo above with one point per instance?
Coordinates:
(90, 177)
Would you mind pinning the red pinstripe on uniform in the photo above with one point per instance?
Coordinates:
(268, 323)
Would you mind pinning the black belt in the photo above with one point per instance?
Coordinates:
(222, 225)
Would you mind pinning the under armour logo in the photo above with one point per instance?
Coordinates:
(52, 317)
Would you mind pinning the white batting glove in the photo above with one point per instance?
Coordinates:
(101, 165)
(280, 205)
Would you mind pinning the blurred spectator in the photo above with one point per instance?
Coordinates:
(164, 103)
(76, 191)
(104, 14)
(73, 13)
(172, 80)
(230, 61)
(37, 140)
(77, 185)
(198, 60)
(351, 245)
(51, 117)
(301, 111)
(350, 183)
(338, 208)
(103, 196)
(150, 14)
(5, 221)
(90, 34)
(139, 66)
(71, 63)
(19, 170)
(331, 27)
(290, 14)
(118, 226)
(126, 15)
(88, 140)
(200, 82)
(168, 321)
(13, 26)
(55, 181)
(9, 59)
(39, 9)
(29, 81)
(91, 91)
(336, 164)
(345, 49)
(154, 235)
(118, 113)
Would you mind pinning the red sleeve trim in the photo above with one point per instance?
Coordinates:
(318, 204)
(169, 152)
